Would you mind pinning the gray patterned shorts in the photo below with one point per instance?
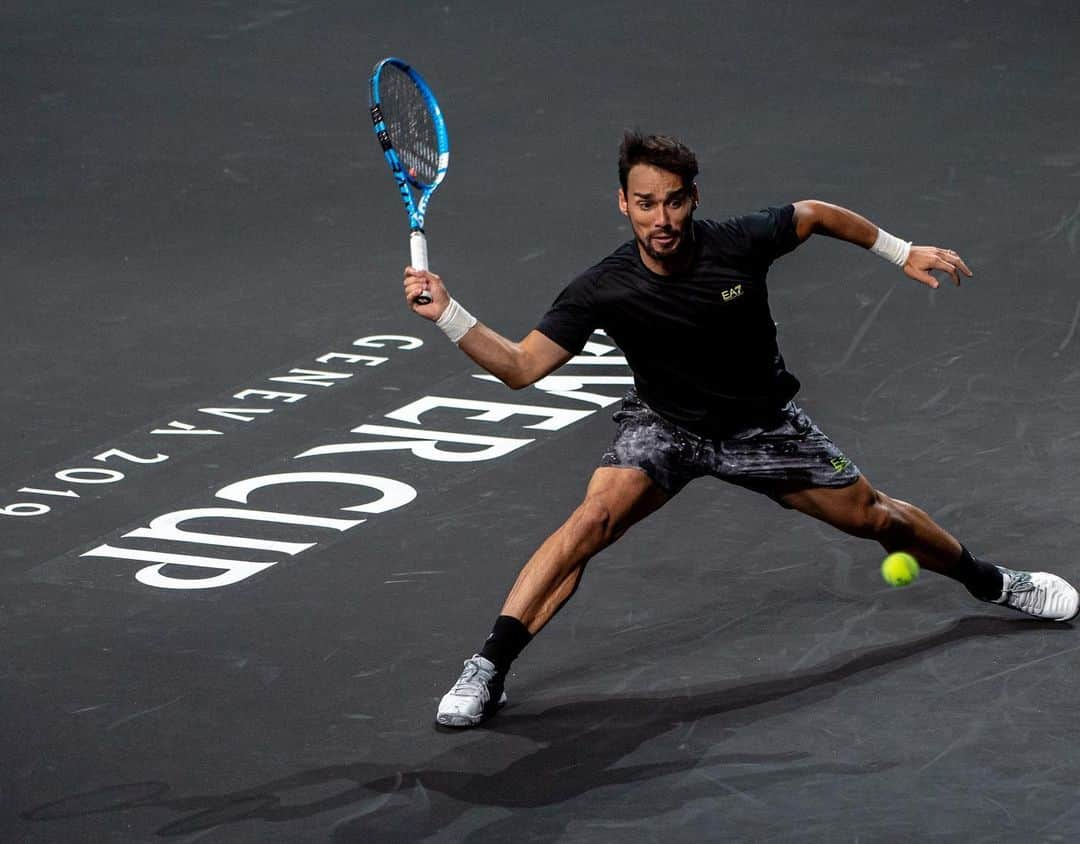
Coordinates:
(793, 455)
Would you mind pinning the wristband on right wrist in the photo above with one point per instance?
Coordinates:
(455, 322)
(892, 249)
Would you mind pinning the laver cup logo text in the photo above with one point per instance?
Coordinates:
(179, 550)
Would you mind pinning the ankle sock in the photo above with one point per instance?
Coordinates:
(982, 579)
(507, 640)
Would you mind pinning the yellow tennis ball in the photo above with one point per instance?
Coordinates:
(899, 569)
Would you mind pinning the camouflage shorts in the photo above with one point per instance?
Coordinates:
(793, 455)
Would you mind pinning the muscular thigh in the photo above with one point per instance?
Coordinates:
(847, 508)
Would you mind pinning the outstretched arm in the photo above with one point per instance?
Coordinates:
(815, 217)
(515, 364)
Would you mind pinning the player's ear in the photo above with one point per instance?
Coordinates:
(695, 198)
(622, 203)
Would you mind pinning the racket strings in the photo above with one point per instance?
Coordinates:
(410, 125)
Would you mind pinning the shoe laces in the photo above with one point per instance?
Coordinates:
(1020, 583)
(474, 679)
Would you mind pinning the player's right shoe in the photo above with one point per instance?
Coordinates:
(1039, 593)
(477, 695)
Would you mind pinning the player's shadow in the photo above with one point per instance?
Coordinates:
(579, 745)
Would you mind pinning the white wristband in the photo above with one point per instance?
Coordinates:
(892, 249)
(455, 322)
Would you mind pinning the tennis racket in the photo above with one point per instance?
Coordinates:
(410, 127)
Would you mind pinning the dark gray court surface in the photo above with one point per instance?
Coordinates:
(194, 206)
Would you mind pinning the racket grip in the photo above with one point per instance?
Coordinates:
(419, 260)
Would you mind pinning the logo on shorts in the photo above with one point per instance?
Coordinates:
(840, 463)
(734, 293)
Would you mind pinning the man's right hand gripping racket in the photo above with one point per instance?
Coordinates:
(410, 127)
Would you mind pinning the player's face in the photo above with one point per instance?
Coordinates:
(661, 209)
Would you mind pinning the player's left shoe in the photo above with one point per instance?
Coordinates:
(1040, 594)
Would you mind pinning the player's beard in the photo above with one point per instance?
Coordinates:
(677, 251)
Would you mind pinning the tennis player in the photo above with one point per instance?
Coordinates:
(686, 302)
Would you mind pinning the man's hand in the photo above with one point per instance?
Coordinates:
(922, 260)
(515, 364)
(416, 281)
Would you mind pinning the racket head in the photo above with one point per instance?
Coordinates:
(409, 124)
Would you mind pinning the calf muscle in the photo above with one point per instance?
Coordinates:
(863, 511)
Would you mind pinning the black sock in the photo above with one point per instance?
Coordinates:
(982, 579)
(508, 639)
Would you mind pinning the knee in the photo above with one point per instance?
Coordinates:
(594, 522)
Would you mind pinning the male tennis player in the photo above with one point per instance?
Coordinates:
(680, 297)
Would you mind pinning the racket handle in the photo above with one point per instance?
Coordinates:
(418, 248)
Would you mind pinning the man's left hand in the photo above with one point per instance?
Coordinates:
(922, 260)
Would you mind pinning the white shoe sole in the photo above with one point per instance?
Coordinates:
(461, 719)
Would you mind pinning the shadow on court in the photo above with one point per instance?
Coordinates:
(580, 744)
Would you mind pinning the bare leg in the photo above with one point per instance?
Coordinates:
(616, 498)
(863, 511)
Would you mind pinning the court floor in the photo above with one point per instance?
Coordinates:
(255, 513)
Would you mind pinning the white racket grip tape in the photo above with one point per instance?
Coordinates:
(418, 248)
(418, 259)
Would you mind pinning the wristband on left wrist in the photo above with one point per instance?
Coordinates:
(892, 249)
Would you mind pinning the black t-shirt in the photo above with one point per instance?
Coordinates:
(701, 344)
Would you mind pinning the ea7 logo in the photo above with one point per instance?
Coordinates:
(734, 293)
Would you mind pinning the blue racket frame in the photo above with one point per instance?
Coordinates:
(416, 209)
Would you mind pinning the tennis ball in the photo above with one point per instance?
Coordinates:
(899, 569)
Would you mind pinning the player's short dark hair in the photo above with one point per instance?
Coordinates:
(658, 150)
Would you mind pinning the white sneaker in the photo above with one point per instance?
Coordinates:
(477, 694)
(1039, 593)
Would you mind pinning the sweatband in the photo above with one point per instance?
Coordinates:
(455, 322)
(892, 249)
